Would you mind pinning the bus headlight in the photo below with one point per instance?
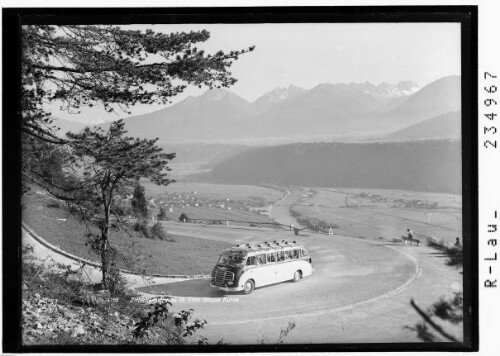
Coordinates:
(229, 283)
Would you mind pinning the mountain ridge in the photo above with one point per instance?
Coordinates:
(334, 110)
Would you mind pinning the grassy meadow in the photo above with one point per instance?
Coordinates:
(384, 214)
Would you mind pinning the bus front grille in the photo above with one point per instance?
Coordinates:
(220, 276)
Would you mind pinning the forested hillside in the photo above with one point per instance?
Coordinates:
(433, 166)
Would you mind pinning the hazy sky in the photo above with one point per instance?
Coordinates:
(308, 54)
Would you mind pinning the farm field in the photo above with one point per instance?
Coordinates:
(213, 203)
(384, 214)
(214, 191)
(212, 215)
(444, 200)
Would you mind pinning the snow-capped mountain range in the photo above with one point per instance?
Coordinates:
(403, 88)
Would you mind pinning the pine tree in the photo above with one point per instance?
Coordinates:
(116, 163)
(449, 309)
(139, 204)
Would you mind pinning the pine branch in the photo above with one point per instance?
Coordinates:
(428, 319)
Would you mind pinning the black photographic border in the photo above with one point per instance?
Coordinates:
(13, 18)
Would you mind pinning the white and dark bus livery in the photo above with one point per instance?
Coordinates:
(248, 266)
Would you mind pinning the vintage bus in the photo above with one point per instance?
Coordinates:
(246, 267)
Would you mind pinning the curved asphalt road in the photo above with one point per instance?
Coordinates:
(348, 271)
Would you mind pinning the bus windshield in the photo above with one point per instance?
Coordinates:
(231, 260)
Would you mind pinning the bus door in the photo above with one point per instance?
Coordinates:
(275, 269)
(282, 265)
(257, 269)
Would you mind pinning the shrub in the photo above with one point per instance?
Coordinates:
(162, 215)
(123, 210)
(52, 284)
(283, 335)
(183, 218)
(316, 224)
(142, 228)
(52, 203)
(115, 281)
(453, 253)
(157, 232)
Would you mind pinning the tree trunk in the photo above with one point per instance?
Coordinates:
(105, 242)
(104, 256)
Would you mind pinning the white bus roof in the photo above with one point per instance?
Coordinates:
(265, 247)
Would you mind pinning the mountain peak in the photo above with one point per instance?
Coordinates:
(218, 94)
(384, 89)
(277, 95)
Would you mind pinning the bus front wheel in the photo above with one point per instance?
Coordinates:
(248, 287)
(297, 276)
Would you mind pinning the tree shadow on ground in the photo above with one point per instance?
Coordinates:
(437, 254)
(189, 288)
(398, 244)
(194, 288)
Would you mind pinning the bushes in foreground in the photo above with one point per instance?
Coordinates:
(453, 253)
(59, 307)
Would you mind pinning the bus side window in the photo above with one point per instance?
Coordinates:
(288, 255)
(304, 253)
(281, 256)
(296, 254)
(251, 261)
(260, 259)
(271, 257)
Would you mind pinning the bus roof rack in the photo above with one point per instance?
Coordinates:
(266, 246)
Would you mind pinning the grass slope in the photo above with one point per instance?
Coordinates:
(187, 255)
